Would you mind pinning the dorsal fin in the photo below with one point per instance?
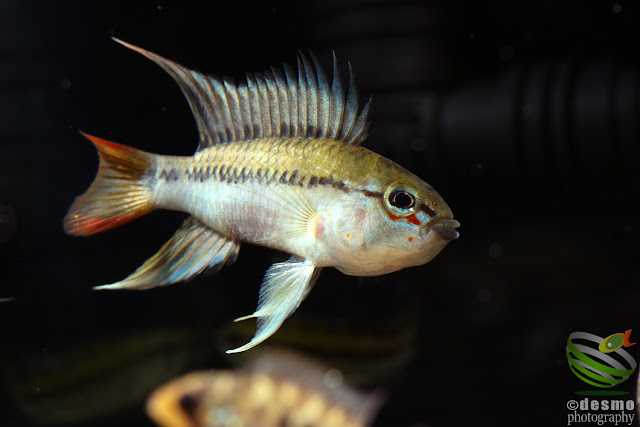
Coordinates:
(270, 104)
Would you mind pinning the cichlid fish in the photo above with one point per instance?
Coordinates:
(279, 164)
(277, 389)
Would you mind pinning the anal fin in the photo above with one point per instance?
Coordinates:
(193, 249)
(283, 288)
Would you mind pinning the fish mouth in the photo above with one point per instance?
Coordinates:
(446, 228)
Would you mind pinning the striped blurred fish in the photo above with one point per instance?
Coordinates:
(278, 389)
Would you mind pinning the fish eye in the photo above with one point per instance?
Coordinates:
(188, 402)
(401, 199)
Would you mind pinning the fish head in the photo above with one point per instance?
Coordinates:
(187, 400)
(407, 224)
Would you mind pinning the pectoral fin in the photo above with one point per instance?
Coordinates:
(193, 249)
(284, 287)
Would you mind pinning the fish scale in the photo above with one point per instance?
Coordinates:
(279, 165)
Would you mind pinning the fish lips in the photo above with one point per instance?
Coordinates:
(446, 228)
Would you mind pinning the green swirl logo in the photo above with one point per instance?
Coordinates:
(600, 362)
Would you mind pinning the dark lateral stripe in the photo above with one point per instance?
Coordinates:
(229, 174)
(293, 177)
(426, 209)
(324, 180)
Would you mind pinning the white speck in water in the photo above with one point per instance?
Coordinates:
(159, 7)
(495, 250)
(333, 378)
(37, 389)
(616, 7)
(484, 295)
(65, 83)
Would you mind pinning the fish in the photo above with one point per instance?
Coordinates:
(278, 388)
(279, 164)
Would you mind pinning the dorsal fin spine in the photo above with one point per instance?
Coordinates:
(292, 94)
(361, 125)
(201, 84)
(254, 101)
(220, 93)
(265, 115)
(351, 108)
(285, 117)
(337, 102)
(234, 108)
(274, 104)
(245, 107)
(302, 104)
(312, 100)
(323, 98)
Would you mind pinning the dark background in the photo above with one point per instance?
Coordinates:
(523, 115)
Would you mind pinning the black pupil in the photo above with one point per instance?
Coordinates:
(188, 403)
(401, 199)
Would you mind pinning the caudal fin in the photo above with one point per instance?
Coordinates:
(120, 192)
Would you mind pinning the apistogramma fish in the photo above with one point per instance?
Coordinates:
(279, 164)
(276, 389)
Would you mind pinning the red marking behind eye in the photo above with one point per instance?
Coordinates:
(348, 234)
(393, 217)
(410, 239)
(413, 219)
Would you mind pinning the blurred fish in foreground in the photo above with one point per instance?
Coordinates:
(278, 389)
(101, 378)
(279, 164)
